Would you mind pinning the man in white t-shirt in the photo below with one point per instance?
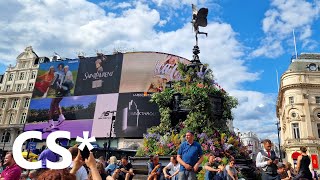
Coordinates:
(173, 168)
(82, 173)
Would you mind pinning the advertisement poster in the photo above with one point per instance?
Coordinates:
(56, 79)
(104, 114)
(73, 114)
(315, 161)
(99, 75)
(135, 113)
(148, 72)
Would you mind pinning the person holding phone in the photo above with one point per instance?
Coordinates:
(266, 160)
(81, 173)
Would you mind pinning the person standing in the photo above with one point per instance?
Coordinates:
(303, 163)
(190, 156)
(266, 160)
(12, 170)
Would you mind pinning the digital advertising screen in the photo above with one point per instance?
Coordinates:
(107, 95)
(56, 79)
(135, 114)
(99, 75)
(74, 114)
(148, 72)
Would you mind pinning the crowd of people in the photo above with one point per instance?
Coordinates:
(183, 166)
(271, 168)
(80, 169)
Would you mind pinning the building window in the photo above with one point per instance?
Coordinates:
(6, 137)
(23, 64)
(26, 102)
(3, 104)
(295, 129)
(19, 87)
(21, 77)
(293, 114)
(11, 118)
(14, 103)
(291, 100)
(10, 77)
(23, 118)
(318, 99)
(318, 126)
(30, 86)
(33, 74)
(8, 88)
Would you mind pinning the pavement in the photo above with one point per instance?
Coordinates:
(140, 177)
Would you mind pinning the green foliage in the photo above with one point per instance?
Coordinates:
(198, 90)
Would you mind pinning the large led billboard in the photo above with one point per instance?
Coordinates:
(88, 94)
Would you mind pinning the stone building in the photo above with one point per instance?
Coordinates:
(251, 140)
(15, 93)
(298, 106)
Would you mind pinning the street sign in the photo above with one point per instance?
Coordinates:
(32, 146)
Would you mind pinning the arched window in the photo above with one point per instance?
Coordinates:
(6, 137)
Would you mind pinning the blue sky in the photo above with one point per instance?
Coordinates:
(248, 40)
(65, 102)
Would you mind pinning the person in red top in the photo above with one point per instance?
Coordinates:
(12, 171)
(43, 82)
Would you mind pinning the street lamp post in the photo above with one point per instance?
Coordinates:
(279, 129)
(111, 132)
(4, 140)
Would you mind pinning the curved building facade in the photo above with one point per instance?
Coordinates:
(298, 107)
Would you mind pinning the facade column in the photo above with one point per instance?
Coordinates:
(307, 121)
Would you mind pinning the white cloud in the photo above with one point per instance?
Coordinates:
(282, 17)
(114, 5)
(256, 112)
(179, 3)
(68, 27)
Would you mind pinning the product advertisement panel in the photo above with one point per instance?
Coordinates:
(56, 79)
(135, 114)
(99, 75)
(74, 114)
(104, 116)
(148, 72)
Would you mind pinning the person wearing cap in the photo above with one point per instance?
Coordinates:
(67, 83)
(266, 160)
(190, 156)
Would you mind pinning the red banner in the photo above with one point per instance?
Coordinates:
(314, 160)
